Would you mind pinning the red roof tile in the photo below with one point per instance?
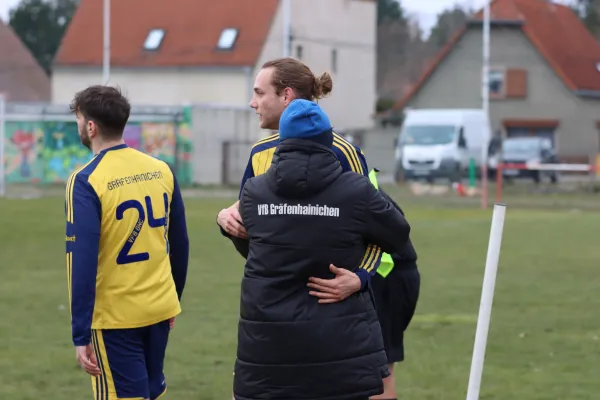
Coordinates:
(192, 30)
(502, 11)
(554, 29)
(21, 77)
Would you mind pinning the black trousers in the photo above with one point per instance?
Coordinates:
(396, 298)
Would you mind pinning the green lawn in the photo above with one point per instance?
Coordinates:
(543, 343)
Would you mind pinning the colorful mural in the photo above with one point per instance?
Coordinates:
(132, 135)
(184, 165)
(23, 140)
(62, 152)
(47, 152)
(158, 140)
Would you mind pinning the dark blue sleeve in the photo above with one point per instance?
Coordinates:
(179, 244)
(344, 163)
(348, 155)
(248, 173)
(363, 162)
(365, 274)
(365, 277)
(83, 238)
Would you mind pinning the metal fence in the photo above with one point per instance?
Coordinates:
(205, 144)
(41, 145)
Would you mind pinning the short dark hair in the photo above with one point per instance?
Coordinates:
(106, 106)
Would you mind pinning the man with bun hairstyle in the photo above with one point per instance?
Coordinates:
(278, 83)
(290, 346)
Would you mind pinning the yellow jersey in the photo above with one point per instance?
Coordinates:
(127, 245)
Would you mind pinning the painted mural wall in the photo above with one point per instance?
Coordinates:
(47, 152)
(184, 149)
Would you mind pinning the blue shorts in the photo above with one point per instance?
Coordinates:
(131, 362)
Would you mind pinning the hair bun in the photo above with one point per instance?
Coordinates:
(323, 85)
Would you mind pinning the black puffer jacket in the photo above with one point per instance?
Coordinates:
(302, 215)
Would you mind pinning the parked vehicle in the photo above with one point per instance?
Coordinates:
(439, 143)
(523, 150)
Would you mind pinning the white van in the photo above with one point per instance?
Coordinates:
(438, 143)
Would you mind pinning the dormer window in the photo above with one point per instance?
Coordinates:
(154, 39)
(227, 38)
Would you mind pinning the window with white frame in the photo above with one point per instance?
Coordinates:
(227, 38)
(154, 39)
(497, 82)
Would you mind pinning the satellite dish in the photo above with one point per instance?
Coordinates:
(598, 67)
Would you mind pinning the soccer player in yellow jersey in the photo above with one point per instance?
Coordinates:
(278, 83)
(127, 253)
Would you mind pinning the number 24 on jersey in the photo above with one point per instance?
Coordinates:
(124, 257)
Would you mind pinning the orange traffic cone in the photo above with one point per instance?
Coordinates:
(460, 189)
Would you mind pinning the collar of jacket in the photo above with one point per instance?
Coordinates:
(302, 168)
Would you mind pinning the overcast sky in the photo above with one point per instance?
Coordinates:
(6, 5)
(423, 10)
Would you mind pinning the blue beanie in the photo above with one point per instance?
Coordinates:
(303, 119)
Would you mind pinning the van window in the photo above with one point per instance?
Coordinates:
(428, 134)
(521, 146)
(462, 142)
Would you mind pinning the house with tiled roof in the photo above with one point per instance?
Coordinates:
(544, 75)
(169, 52)
(22, 79)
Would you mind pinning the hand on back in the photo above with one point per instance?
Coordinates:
(337, 289)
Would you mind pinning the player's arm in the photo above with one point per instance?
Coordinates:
(179, 244)
(363, 162)
(82, 242)
(408, 254)
(248, 173)
(354, 160)
(385, 224)
(242, 245)
(228, 219)
(372, 258)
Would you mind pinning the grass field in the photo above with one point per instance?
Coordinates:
(544, 338)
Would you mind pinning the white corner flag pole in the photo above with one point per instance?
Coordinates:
(487, 297)
(2, 152)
